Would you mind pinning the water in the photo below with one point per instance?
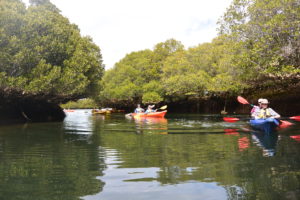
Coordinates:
(184, 156)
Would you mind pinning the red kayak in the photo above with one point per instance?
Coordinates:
(154, 114)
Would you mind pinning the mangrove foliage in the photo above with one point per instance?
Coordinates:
(257, 49)
(43, 54)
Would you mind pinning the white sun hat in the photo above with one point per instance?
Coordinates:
(259, 100)
(264, 101)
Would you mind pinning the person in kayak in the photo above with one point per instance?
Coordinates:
(139, 109)
(263, 111)
(150, 109)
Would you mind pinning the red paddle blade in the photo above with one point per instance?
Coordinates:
(285, 124)
(295, 118)
(242, 100)
(230, 119)
(296, 137)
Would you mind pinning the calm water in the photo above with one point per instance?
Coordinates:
(180, 157)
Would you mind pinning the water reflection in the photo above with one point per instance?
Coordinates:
(79, 122)
(103, 157)
(151, 125)
(266, 141)
(231, 131)
(43, 161)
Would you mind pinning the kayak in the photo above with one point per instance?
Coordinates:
(266, 125)
(94, 112)
(154, 114)
(68, 110)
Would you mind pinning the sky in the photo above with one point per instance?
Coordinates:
(120, 27)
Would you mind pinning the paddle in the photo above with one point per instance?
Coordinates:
(244, 101)
(295, 118)
(230, 119)
(163, 107)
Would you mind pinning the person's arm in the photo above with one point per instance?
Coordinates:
(274, 114)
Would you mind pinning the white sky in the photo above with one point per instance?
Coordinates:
(120, 27)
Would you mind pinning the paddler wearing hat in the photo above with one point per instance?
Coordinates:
(263, 111)
(150, 109)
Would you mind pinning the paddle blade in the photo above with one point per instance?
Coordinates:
(230, 119)
(296, 137)
(295, 118)
(242, 100)
(285, 124)
(163, 107)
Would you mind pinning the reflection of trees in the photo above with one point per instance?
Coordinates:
(208, 158)
(41, 162)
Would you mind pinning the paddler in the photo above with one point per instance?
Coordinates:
(263, 111)
(139, 109)
(150, 109)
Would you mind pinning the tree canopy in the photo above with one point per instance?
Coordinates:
(169, 71)
(43, 53)
(258, 47)
(270, 32)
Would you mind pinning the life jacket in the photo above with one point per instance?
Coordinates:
(254, 109)
(264, 113)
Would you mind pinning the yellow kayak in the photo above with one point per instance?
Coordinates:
(103, 112)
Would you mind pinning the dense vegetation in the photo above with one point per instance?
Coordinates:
(44, 61)
(258, 47)
(43, 57)
(42, 53)
(80, 104)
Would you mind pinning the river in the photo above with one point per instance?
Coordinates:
(184, 156)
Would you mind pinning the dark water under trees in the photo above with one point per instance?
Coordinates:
(181, 157)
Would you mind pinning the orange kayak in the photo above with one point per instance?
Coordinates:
(154, 114)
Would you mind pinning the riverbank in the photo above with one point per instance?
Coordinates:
(286, 103)
(21, 108)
